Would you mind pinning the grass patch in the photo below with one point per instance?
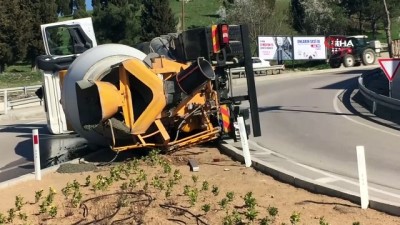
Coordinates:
(197, 13)
(307, 65)
(19, 75)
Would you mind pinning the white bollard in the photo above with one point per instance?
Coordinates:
(362, 175)
(245, 143)
(36, 155)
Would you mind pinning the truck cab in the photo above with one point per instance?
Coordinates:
(63, 43)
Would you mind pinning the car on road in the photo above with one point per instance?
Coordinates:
(259, 63)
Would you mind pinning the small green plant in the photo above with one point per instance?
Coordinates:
(251, 213)
(205, 186)
(232, 219)
(193, 195)
(206, 208)
(66, 191)
(223, 203)
(11, 215)
(50, 196)
(87, 181)
(186, 190)
(3, 218)
(322, 221)
(22, 216)
(356, 223)
(249, 200)
(38, 195)
(153, 158)
(177, 175)
(295, 218)
(272, 211)
(76, 199)
(230, 196)
(132, 184)
(195, 179)
(215, 190)
(142, 176)
(157, 183)
(19, 202)
(53, 211)
(167, 168)
(265, 221)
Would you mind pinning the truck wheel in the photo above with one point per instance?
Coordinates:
(348, 60)
(334, 63)
(368, 57)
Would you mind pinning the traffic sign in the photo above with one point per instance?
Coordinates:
(390, 67)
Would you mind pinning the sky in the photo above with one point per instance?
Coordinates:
(89, 5)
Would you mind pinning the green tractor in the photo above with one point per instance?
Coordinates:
(350, 50)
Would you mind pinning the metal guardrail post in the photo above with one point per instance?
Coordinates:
(5, 97)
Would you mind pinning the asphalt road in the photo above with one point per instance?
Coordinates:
(311, 119)
(16, 147)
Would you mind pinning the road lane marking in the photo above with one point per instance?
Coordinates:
(18, 166)
(336, 107)
(326, 180)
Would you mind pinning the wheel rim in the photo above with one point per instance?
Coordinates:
(369, 59)
(349, 61)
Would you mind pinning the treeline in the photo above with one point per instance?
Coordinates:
(117, 21)
(131, 21)
(341, 16)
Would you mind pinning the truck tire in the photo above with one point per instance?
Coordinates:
(348, 60)
(368, 57)
(335, 63)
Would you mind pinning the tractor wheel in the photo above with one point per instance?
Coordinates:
(348, 60)
(334, 63)
(368, 57)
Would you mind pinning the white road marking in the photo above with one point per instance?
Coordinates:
(336, 107)
(325, 180)
(14, 167)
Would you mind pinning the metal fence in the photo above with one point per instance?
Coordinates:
(11, 97)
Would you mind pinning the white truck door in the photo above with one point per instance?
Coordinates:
(63, 42)
(57, 37)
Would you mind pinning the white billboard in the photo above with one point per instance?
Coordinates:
(273, 48)
(309, 48)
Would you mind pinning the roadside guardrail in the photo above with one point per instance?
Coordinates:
(11, 97)
(257, 71)
(377, 100)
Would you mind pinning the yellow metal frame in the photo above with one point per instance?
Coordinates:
(153, 112)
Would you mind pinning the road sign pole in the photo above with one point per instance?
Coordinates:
(390, 89)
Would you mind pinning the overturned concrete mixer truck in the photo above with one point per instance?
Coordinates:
(172, 93)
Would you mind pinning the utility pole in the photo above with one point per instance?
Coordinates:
(183, 15)
(388, 30)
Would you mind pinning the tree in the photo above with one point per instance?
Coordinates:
(255, 13)
(63, 8)
(156, 19)
(315, 17)
(40, 12)
(388, 29)
(14, 24)
(297, 13)
(117, 22)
